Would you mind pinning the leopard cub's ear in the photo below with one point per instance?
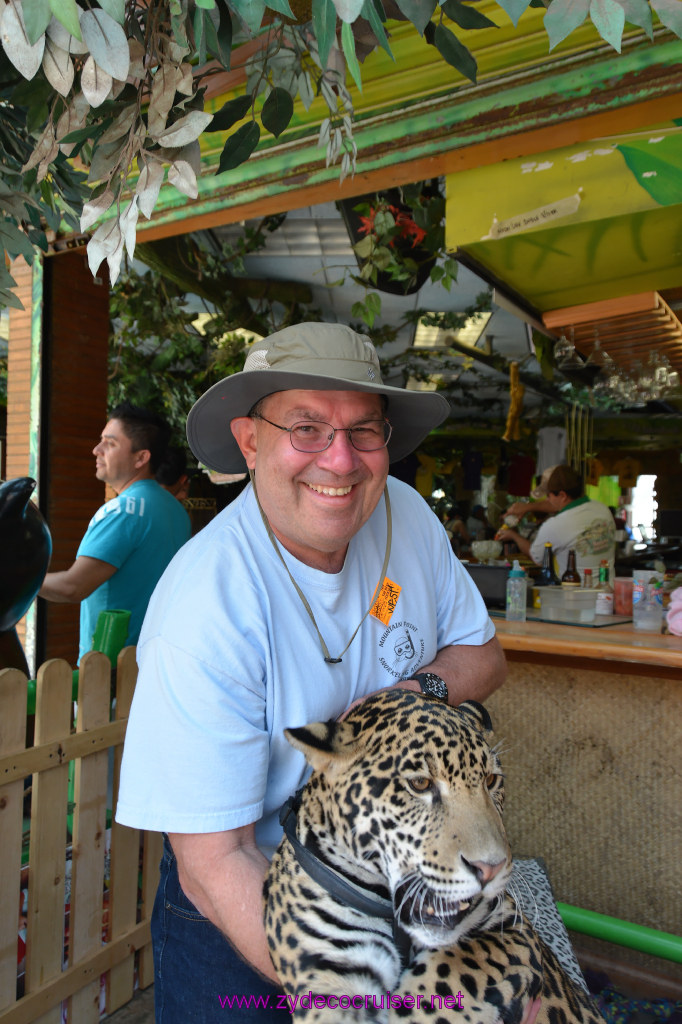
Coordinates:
(476, 714)
(325, 744)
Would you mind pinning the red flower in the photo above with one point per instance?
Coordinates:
(408, 228)
(403, 222)
(367, 224)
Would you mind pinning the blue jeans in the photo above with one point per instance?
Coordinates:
(198, 977)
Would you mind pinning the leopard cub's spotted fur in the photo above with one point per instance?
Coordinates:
(405, 800)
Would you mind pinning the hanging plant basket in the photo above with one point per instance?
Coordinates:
(411, 261)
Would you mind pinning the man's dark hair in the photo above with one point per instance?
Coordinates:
(172, 467)
(564, 478)
(145, 430)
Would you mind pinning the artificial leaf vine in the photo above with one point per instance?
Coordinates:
(118, 86)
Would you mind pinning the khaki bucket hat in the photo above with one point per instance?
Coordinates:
(310, 357)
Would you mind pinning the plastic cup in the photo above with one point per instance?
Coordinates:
(650, 620)
(622, 595)
(647, 600)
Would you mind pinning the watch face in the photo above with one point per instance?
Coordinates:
(432, 685)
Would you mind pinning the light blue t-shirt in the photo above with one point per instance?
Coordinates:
(139, 531)
(229, 658)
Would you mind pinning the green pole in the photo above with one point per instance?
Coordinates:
(623, 933)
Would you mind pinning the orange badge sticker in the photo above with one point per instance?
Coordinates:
(384, 606)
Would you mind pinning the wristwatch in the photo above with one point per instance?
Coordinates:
(432, 685)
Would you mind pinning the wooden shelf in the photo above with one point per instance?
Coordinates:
(629, 328)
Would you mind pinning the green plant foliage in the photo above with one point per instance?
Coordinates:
(121, 85)
(160, 356)
(324, 26)
(67, 13)
(37, 16)
(370, 11)
(638, 12)
(403, 243)
(465, 16)
(669, 13)
(348, 44)
(277, 111)
(28, 209)
(239, 146)
(228, 115)
(608, 17)
(419, 12)
(515, 8)
(451, 50)
(563, 17)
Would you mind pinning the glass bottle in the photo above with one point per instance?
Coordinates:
(515, 608)
(547, 576)
(571, 578)
(604, 590)
(669, 584)
(587, 579)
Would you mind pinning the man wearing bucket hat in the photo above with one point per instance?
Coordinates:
(320, 584)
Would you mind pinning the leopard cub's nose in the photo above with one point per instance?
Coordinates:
(484, 872)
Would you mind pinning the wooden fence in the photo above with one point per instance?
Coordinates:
(92, 928)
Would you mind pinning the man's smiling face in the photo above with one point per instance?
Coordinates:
(315, 502)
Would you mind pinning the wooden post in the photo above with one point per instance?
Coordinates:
(89, 832)
(125, 852)
(12, 740)
(47, 850)
(57, 397)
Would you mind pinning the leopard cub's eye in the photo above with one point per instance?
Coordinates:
(421, 783)
(490, 780)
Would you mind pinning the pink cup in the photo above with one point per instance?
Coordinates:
(622, 595)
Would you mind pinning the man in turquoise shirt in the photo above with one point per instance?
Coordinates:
(131, 538)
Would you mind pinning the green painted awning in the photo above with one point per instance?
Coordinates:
(578, 224)
(418, 118)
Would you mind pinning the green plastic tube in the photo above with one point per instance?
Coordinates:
(110, 634)
(111, 631)
(622, 933)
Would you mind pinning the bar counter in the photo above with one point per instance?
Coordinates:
(621, 643)
(589, 724)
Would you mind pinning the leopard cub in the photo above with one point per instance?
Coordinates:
(387, 901)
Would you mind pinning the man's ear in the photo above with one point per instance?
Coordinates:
(244, 430)
(142, 457)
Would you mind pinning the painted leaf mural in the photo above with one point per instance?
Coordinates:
(657, 165)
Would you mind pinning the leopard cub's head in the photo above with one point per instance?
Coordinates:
(407, 793)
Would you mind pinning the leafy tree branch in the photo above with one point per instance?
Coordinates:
(103, 100)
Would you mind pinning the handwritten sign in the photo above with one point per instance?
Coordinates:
(384, 606)
(534, 218)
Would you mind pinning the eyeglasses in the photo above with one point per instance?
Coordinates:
(313, 436)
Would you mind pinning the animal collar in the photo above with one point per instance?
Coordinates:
(349, 893)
